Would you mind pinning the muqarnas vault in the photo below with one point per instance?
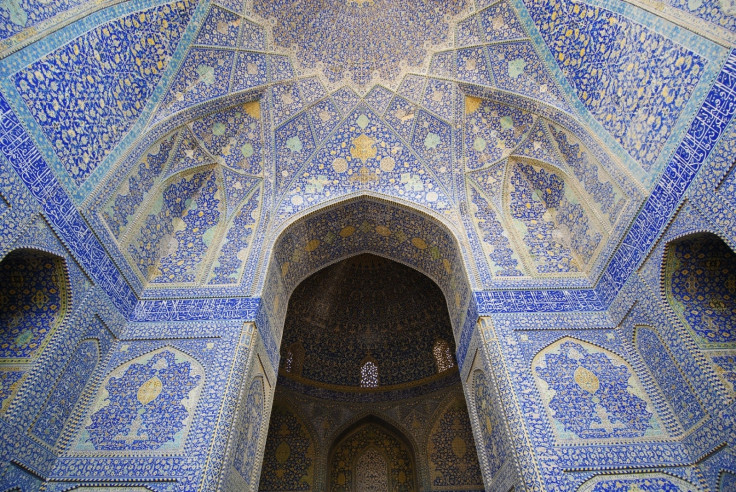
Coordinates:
(367, 245)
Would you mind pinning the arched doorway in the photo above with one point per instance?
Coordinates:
(371, 456)
(368, 335)
(345, 241)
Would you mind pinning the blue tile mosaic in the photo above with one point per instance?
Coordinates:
(500, 23)
(491, 427)
(645, 86)
(669, 377)
(67, 391)
(156, 416)
(541, 161)
(588, 394)
(109, 84)
(342, 37)
(247, 428)
(20, 15)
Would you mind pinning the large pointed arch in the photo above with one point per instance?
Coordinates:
(365, 224)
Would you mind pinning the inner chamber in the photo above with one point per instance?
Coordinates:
(368, 395)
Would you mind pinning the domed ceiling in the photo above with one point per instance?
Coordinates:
(364, 308)
(534, 130)
(361, 41)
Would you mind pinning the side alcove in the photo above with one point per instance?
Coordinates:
(700, 287)
(34, 301)
(183, 210)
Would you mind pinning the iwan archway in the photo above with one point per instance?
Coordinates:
(316, 260)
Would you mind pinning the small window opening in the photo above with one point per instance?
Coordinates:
(294, 359)
(289, 361)
(369, 374)
(443, 356)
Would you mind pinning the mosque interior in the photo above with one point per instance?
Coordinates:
(367, 245)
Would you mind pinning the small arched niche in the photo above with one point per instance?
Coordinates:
(372, 456)
(700, 286)
(34, 300)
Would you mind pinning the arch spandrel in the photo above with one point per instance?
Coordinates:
(591, 394)
(143, 407)
(364, 153)
(360, 225)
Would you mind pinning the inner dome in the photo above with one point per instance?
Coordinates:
(359, 42)
(367, 309)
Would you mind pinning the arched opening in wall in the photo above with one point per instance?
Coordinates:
(443, 355)
(700, 286)
(369, 373)
(371, 456)
(377, 297)
(294, 359)
(34, 297)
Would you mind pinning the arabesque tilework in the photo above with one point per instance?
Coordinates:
(288, 460)
(562, 170)
(345, 44)
(166, 387)
(85, 112)
(395, 454)
(491, 446)
(700, 282)
(645, 86)
(452, 462)
(591, 394)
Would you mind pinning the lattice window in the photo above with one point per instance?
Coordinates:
(443, 356)
(289, 361)
(294, 358)
(371, 472)
(369, 374)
